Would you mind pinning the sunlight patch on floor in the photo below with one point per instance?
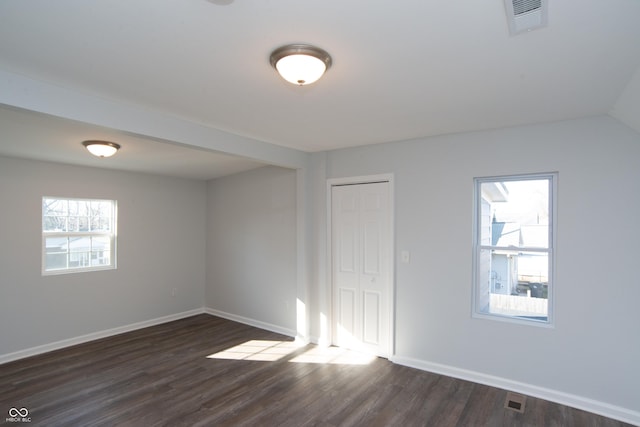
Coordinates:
(333, 355)
(258, 350)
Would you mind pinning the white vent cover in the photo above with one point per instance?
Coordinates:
(525, 15)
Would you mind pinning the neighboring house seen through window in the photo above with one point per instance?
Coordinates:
(78, 235)
(513, 247)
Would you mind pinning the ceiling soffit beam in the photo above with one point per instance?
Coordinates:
(29, 94)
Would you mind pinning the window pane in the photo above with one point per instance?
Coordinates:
(101, 213)
(54, 207)
(79, 251)
(533, 268)
(73, 223)
(54, 215)
(83, 223)
(100, 258)
(79, 259)
(56, 253)
(55, 261)
(56, 244)
(513, 283)
(54, 223)
(80, 244)
(515, 213)
(101, 208)
(83, 208)
(73, 207)
(100, 251)
(100, 224)
(516, 273)
(519, 307)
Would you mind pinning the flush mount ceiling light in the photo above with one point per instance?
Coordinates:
(300, 64)
(101, 148)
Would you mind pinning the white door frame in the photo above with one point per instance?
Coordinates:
(367, 179)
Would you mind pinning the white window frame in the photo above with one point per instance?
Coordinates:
(552, 177)
(111, 235)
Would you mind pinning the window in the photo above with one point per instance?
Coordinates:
(78, 235)
(513, 247)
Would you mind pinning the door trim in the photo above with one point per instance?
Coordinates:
(367, 179)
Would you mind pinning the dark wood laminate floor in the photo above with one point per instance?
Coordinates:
(161, 376)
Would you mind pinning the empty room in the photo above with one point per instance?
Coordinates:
(286, 213)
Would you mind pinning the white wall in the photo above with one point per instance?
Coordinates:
(246, 262)
(251, 252)
(161, 246)
(593, 351)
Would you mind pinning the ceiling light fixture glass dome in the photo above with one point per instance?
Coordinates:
(300, 64)
(101, 148)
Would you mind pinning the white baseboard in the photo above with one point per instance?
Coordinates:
(320, 342)
(579, 402)
(4, 358)
(252, 322)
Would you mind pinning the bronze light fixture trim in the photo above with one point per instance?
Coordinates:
(101, 148)
(300, 64)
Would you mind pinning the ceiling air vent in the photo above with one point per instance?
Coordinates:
(525, 15)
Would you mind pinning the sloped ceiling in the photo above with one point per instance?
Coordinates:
(627, 108)
(400, 70)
